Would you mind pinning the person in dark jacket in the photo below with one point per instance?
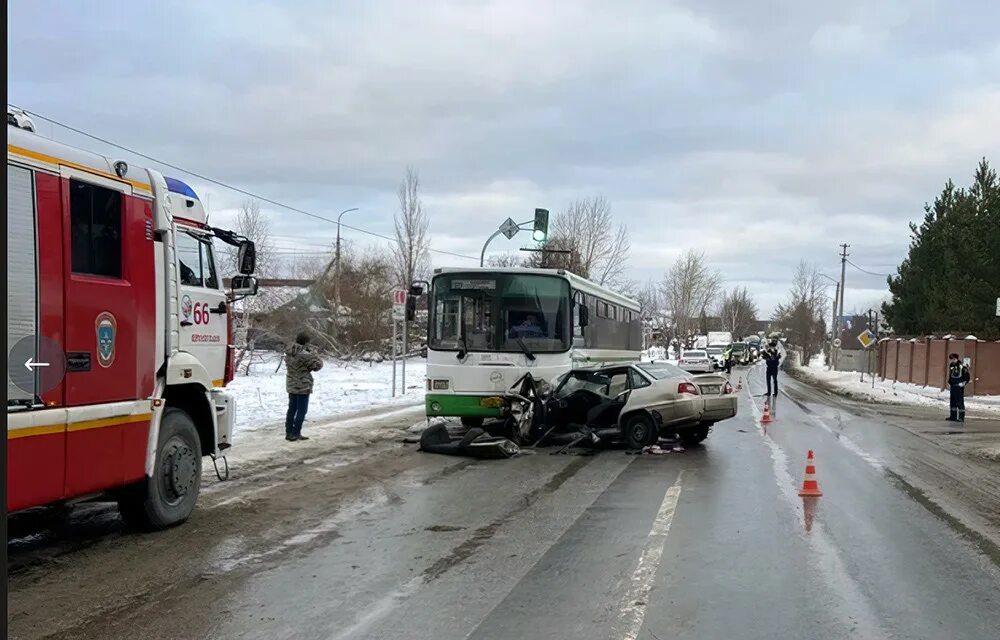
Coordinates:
(300, 362)
(772, 358)
(958, 377)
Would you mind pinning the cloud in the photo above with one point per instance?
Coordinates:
(761, 134)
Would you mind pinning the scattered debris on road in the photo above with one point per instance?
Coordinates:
(475, 443)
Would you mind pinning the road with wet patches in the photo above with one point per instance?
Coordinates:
(714, 542)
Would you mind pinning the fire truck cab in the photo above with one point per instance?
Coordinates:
(118, 332)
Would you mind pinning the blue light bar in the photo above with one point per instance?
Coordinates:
(176, 186)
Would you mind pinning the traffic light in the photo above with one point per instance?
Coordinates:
(541, 231)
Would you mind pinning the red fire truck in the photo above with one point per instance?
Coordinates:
(118, 332)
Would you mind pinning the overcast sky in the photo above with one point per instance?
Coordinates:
(760, 132)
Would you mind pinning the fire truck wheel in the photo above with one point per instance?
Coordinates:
(169, 496)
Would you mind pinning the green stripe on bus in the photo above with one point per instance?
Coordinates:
(459, 406)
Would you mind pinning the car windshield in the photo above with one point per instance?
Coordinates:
(739, 346)
(661, 371)
(693, 355)
(482, 311)
(714, 351)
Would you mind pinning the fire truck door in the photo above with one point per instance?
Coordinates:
(203, 306)
(110, 328)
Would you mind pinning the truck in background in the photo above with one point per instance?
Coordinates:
(119, 330)
(720, 338)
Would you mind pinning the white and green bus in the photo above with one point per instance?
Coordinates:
(488, 327)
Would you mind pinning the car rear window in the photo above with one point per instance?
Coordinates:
(695, 354)
(661, 371)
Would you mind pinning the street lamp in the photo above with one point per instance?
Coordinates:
(336, 283)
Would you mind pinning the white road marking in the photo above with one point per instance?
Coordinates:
(633, 605)
(852, 603)
(852, 446)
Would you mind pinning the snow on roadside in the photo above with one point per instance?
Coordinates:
(892, 392)
(339, 388)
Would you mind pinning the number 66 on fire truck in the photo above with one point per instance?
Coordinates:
(118, 332)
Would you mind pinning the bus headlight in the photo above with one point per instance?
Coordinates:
(440, 384)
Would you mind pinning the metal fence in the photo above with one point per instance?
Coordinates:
(924, 361)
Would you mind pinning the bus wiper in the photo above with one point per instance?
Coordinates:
(525, 349)
(464, 347)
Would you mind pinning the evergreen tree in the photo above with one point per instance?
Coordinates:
(950, 279)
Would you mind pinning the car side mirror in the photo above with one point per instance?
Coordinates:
(246, 257)
(584, 315)
(243, 286)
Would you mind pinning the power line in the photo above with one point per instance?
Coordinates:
(871, 273)
(228, 186)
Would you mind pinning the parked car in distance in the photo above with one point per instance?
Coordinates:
(696, 360)
(741, 353)
(718, 355)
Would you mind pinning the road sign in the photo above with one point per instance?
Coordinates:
(399, 304)
(836, 343)
(509, 228)
(866, 338)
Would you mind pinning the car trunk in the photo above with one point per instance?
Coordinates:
(719, 405)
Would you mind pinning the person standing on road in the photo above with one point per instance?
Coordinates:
(772, 358)
(728, 356)
(958, 377)
(300, 362)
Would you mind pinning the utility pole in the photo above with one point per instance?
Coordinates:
(843, 274)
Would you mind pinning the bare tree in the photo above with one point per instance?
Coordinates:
(688, 289)
(651, 312)
(306, 267)
(505, 260)
(738, 312)
(598, 249)
(800, 317)
(411, 256)
(252, 224)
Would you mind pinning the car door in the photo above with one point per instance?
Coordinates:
(618, 392)
(202, 316)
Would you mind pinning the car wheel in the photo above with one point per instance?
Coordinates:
(168, 497)
(640, 431)
(472, 422)
(696, 435)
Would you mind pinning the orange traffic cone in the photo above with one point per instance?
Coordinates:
(810, 488)
(739, 385)
(766, 418)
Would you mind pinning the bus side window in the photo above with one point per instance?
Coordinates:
(578, 300)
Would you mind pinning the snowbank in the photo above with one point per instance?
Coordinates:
(339, 388)
(891, 392)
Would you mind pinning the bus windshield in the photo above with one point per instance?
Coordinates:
(500, 312)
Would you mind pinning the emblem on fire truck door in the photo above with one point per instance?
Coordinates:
(106, 328)
(186, 307)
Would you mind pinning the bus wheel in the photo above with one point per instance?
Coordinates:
(169, 496)
(640, 431)
(472, 422)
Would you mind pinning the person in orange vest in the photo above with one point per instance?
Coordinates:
(958, 377)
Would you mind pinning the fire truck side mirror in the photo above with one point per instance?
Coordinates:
(246, 257)
(244, 286)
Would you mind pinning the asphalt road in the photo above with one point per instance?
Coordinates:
(710, 543)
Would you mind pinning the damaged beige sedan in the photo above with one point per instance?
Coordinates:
(643, 401)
